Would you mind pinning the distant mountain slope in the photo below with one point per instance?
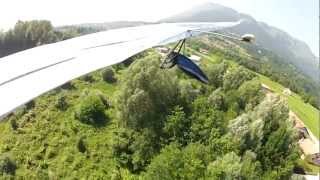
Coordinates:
(292, 50)
(207, 12)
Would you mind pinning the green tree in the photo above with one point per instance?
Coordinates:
(147, 94)
(227, 167)
(239, 129)
(215, 73)
(188, 92)
(279, 153)
(205, 121)
(175, 163)
(222, 145)
(144, 147)
(267, 132)
(91, 110)
(133, 149)
(217, 100)
(177, 126)
(250, 94)
(29, 34)
(251, 168)
(108, 75)
(235, 77)
(167, 165)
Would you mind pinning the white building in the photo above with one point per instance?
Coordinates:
(195, 59)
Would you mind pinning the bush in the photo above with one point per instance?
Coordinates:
(13, 123)
(134, 150)
(30, 105)
(7, 165)
(81, 145)
(108, 75)
(216, 100)
(91, 110)
(61, 102)
(68, 86)
(103, 98)
(87, 78)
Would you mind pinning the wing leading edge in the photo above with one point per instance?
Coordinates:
(26, 75)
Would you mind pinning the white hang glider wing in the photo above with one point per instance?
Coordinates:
(30, 73)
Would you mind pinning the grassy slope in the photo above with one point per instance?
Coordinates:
(52, 137)
(307, 113)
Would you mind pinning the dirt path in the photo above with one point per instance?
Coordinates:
(308, 145)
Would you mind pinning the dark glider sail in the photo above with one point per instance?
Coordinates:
(183, 62)
(190, 68)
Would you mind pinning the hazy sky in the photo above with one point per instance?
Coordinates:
(300, 18)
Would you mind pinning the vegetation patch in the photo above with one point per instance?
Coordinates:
(91, 110)
(137, 121)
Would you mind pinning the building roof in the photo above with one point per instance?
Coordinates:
(195, 58)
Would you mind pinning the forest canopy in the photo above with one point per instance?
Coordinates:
(137, 121)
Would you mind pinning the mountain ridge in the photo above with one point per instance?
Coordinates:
(290, 48)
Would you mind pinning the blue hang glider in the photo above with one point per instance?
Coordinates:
(184, 63)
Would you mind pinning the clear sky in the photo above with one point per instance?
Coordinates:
(300, 18)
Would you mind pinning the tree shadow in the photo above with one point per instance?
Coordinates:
(99, 120)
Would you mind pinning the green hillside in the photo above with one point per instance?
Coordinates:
(139, 121)
(307, 113)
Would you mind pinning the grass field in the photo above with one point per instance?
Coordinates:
(307, 113)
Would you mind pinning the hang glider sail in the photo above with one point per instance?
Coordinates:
(30, 73)
(184, 63)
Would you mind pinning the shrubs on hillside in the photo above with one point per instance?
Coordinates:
(133, 149)
(91, 109)
(61, 102)
(108, 75)
(87, 78)
(81, 145)
(68, 86)
(7, 165)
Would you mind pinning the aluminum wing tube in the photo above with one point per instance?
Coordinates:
(26, 75)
